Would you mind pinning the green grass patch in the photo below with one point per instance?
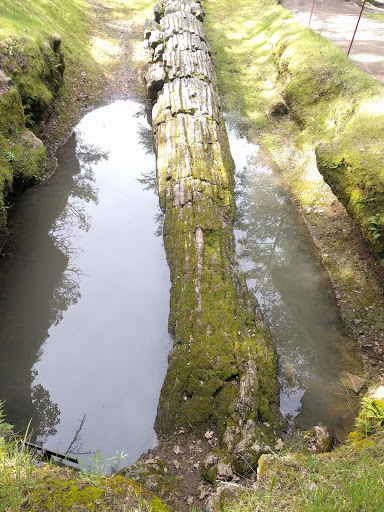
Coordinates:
(374, 16)
(347, 480)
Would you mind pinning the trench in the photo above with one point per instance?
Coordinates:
(85, 295)
(283, 269)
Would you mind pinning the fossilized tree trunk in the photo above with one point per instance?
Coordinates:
(222, 368)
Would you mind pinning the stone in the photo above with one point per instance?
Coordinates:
(155, 79)
(156, 38)
(378, 393)
(55, 42)
(209, 468)
(318, 439)
(224, 471)
(249, 449)
(278, 109)
(352, 381)
(5, 81)
(206, 383)
(149, 27)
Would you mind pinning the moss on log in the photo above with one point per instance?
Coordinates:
(222, 368)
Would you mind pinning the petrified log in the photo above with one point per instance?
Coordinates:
(222, 368)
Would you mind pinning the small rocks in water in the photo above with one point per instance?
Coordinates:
(352, 381)
(318, 439)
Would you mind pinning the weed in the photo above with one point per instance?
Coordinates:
(10, 157)
(98, 467)
(371, 416)
(374, 228)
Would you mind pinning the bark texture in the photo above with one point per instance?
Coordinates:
(222, 368)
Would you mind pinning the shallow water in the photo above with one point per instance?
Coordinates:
(85, 294)
(284, 271)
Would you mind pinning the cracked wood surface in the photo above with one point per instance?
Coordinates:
(222, 368)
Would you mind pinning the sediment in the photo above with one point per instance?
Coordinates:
(222, 368)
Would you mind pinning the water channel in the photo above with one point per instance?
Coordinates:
(85, 294)
(284, 270)
(84, 297)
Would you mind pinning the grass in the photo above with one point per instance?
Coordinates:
(336, 119)
(374, 16)
(25, 486)
(348, 480)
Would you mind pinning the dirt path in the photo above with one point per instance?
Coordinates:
(336, 20)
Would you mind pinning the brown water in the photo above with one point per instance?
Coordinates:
(284, 271)
(85, 294)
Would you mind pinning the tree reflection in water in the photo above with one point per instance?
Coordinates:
(73, 218)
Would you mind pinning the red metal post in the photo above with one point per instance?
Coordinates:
(313, 5)
(358, 21)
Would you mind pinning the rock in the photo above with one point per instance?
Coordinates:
(378, 393)
(209, 468)
(318, 439)
(149, 27)
(352, 381)
(155, 38)
(155, 79)
(195, 181)
(248, 451)
(184, 6)
(224, 471)
(158, 10)
(158, 53)
(5, 81)
(55, 42)
(31, 140)
(278, 109)
(178, 23)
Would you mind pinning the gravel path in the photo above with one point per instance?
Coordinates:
(336, 20)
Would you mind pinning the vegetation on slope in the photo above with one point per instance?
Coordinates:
(37, 40)
(26, 486)
(348, 479)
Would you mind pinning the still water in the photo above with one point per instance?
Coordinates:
(85, 294)
(284, 271)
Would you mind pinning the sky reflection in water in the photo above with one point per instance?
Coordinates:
(100, 335)
(284, 271)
